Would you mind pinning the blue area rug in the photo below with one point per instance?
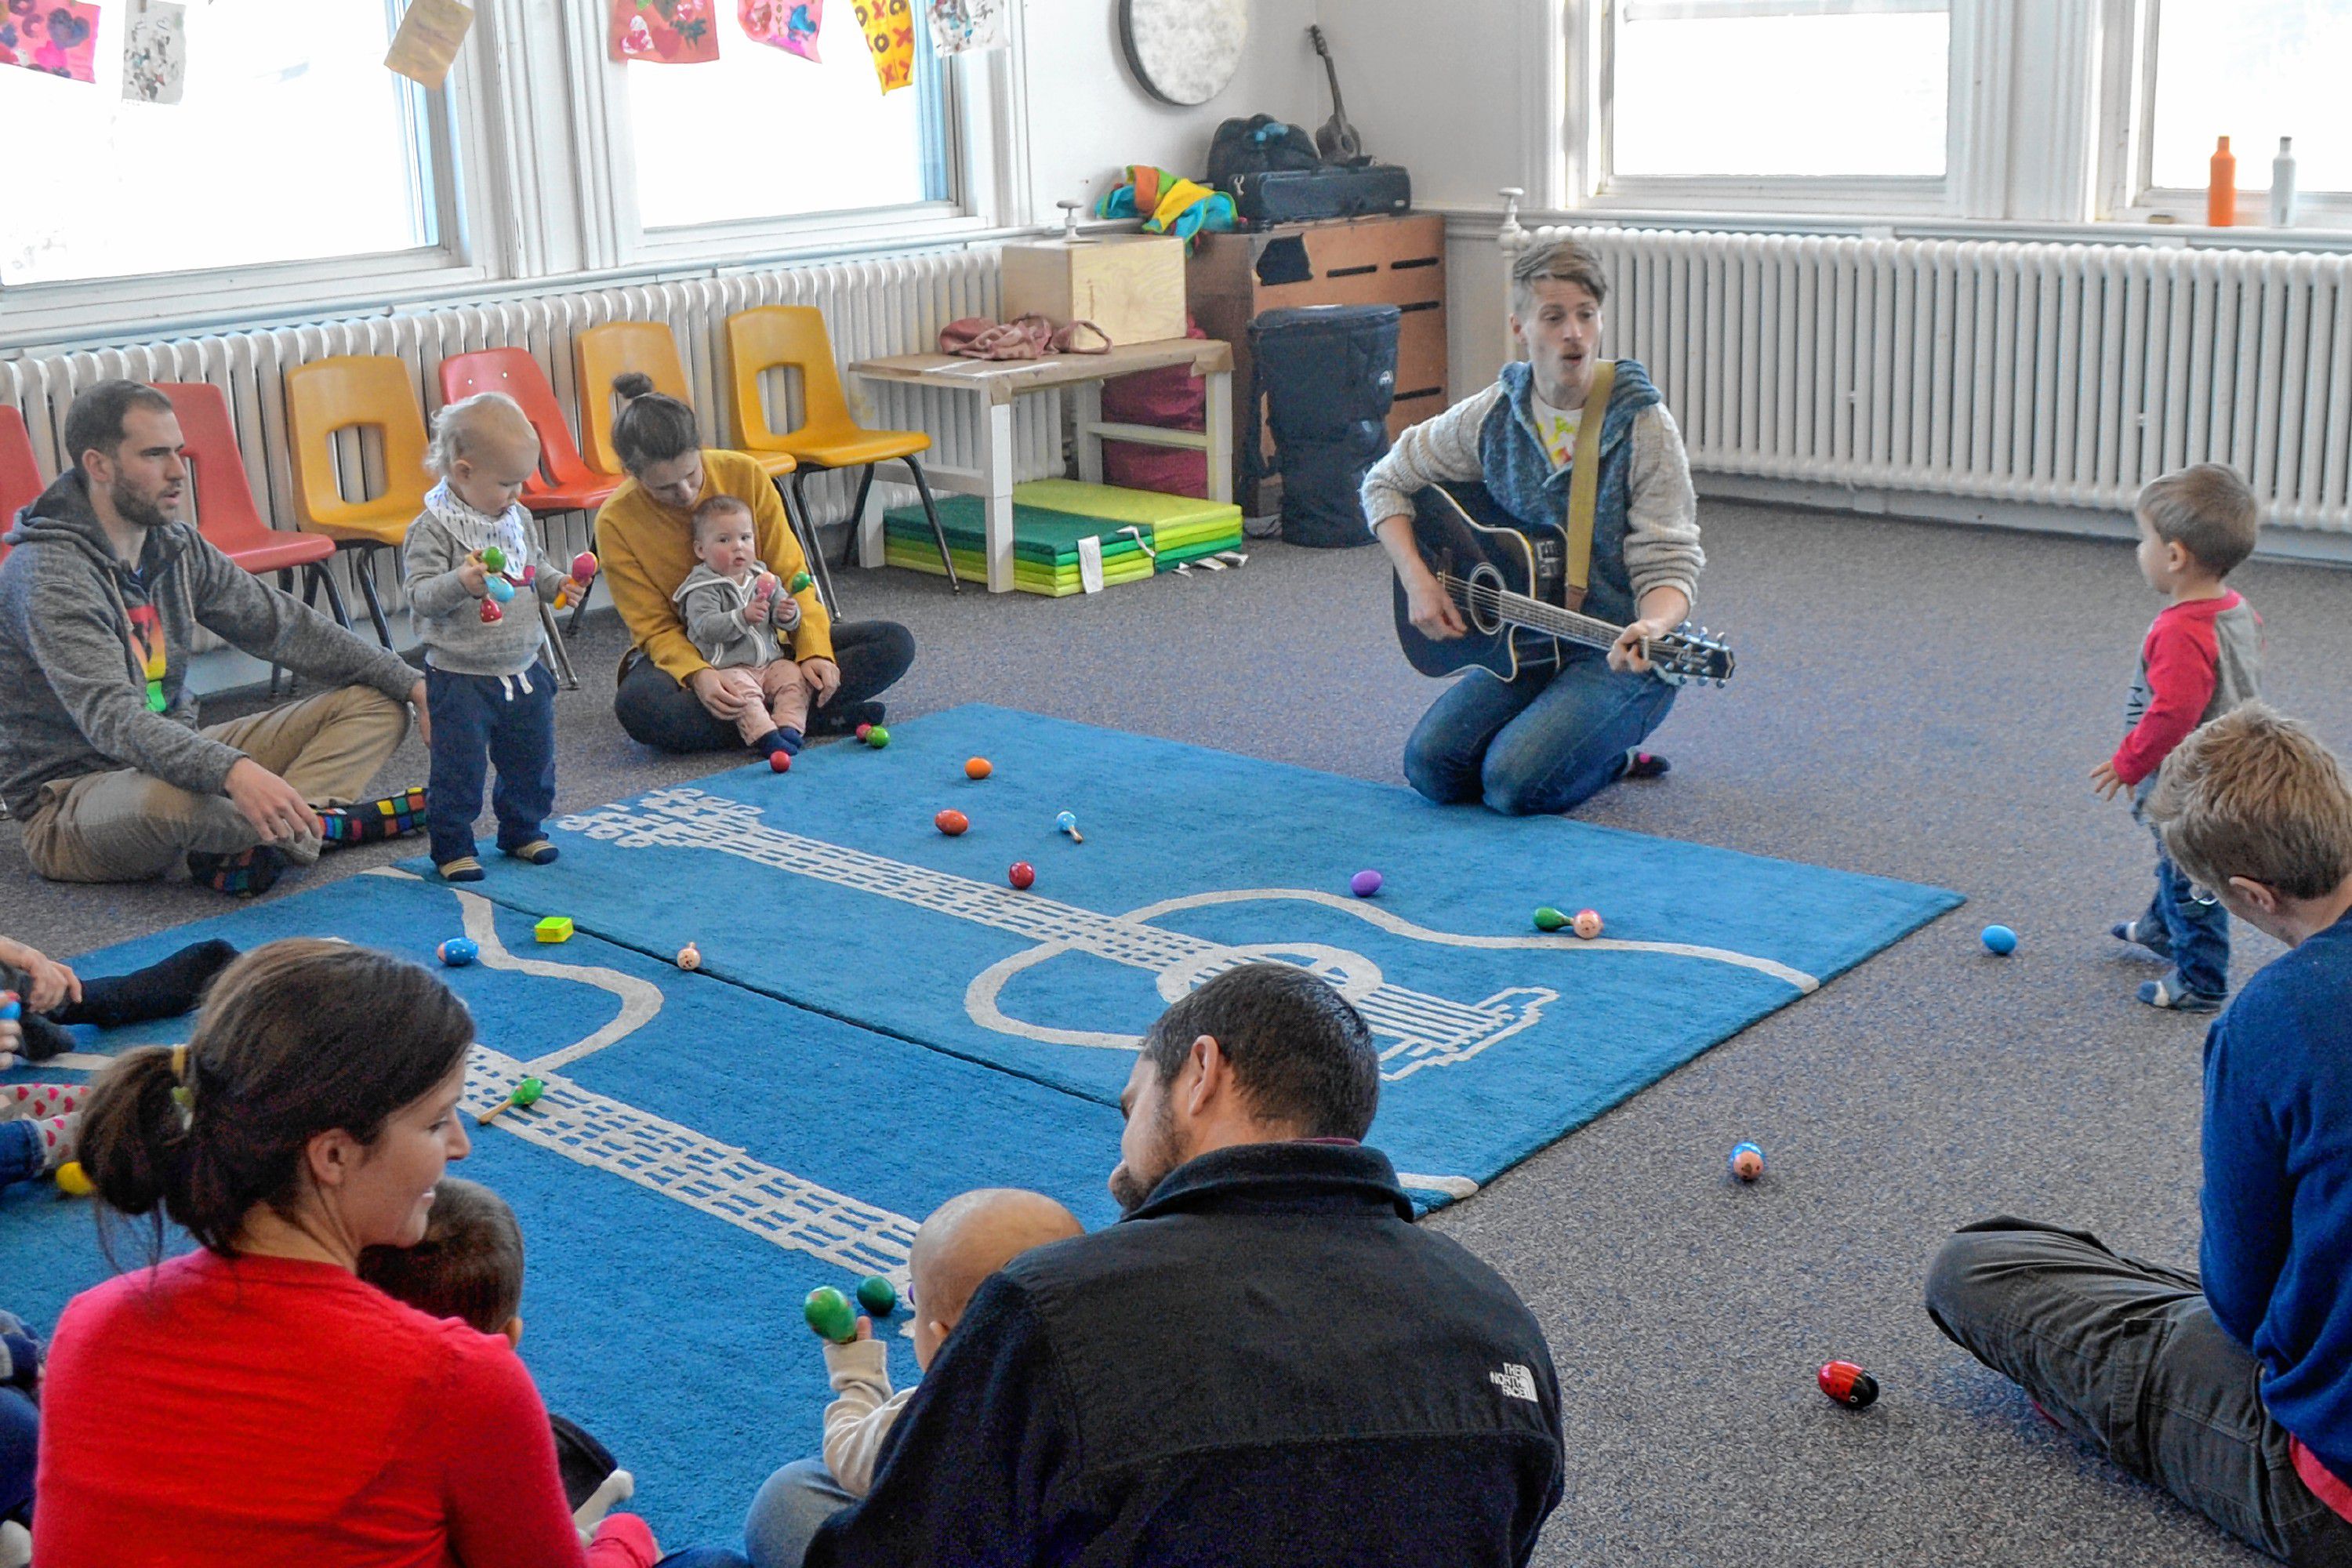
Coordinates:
(830, 888)
(665, 1326)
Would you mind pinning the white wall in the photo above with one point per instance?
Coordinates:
(1440, 88)
(1088, 117)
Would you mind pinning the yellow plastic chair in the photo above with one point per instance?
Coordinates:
(778, 336)
(357, 391)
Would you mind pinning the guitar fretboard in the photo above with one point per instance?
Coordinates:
(1534, 613)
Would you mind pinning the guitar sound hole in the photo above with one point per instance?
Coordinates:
(1481, 602)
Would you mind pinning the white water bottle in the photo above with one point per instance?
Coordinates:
(2282, 208)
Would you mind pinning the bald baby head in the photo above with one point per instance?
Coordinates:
(965, 1240)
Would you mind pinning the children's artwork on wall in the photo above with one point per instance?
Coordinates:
(788, 25)
(889, 30)
(59, 36)
(430, 36)
(967, 26)
(664, 32)
(155, 52)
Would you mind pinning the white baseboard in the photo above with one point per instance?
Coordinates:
(2302, 545)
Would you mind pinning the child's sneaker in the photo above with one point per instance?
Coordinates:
(464, 869)
(373, 821)
(2140, 934)
(243, 875)
(2168, 993)
(1646, 765)
(539, 852)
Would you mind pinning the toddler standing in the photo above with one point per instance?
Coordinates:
(2201, 658)
(733, 607)
(491, 696)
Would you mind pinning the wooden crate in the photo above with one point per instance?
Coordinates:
(1131, 286)
(1385, 260)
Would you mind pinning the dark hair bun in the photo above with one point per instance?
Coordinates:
(633, 384)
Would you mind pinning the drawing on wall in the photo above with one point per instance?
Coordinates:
(788, 25)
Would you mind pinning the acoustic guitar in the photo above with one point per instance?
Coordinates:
(1335, 138)
(1507, 580)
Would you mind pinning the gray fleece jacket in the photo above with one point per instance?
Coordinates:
(720, 621)
(75, 696)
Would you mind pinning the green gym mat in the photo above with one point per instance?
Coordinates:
(1043, 534)
(1117, 504)
(907, 550)
(1028, 577)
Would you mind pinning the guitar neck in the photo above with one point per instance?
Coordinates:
(1534, 613)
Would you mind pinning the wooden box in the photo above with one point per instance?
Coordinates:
(1389, 260)
(1131, 286)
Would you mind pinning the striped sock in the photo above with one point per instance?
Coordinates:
(244, 874)
(373, 821)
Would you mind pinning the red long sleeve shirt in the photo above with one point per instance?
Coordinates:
(269, 1412)
(2200, 659)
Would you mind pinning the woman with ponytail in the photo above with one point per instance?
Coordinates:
(671, 697)
(252, 1402)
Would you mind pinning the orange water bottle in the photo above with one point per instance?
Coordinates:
(2221, 193)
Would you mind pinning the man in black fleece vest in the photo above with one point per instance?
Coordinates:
(1264, 1363)
(102, 756)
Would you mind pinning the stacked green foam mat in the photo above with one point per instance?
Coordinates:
(1050, 516)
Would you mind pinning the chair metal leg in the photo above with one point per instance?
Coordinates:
(804, 529)
(363, 568)
(318, 577)
(555, 645)
(856, 517)
(930, 510)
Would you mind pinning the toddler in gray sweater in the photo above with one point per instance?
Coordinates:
(733, 607)
(468, 564)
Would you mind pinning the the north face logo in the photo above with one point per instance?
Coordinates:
(1516, 1382)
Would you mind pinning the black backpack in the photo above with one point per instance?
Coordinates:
(1258, 145)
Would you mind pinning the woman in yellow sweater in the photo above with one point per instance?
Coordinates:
(671, 697)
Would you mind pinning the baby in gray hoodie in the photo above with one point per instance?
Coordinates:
(733, 608)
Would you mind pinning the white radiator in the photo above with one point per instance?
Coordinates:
(887, 306)
(2062, 374)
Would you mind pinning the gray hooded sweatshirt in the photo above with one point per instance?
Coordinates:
(80, 632)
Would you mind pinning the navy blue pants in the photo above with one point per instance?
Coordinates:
(20, 1442)
(480, 721)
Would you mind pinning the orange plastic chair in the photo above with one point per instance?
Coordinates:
(357, 391)
(20, 472)
(565, 482)
(774, 336)
(225, 513)
(646, 347)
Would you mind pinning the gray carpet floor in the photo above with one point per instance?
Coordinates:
(1913, 701)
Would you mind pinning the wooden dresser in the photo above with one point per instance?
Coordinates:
(1397, 261)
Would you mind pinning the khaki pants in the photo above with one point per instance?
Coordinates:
(788, 703)
(126, 825)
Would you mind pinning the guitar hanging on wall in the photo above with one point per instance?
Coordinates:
(1511, 603)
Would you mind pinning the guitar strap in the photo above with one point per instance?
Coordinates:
(1584, 483)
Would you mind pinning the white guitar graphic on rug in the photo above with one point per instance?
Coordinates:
(1415, 1029)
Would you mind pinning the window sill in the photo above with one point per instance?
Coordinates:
(1880, 226)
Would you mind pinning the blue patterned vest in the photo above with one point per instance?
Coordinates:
(1519, 475)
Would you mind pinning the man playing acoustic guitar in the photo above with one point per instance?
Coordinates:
(1551, 734)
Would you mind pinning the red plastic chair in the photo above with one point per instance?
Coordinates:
(225, 513)
(20, 472)
(565, 482)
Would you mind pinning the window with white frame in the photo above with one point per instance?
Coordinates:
(290, 142)
(762, 133)
(2252, 70)
(1747, 90)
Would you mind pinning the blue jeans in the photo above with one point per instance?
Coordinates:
(20, 1431)
(1543, 742)
(22, 1152)
(481, 720)
(793, 1503)
(2198, 932)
